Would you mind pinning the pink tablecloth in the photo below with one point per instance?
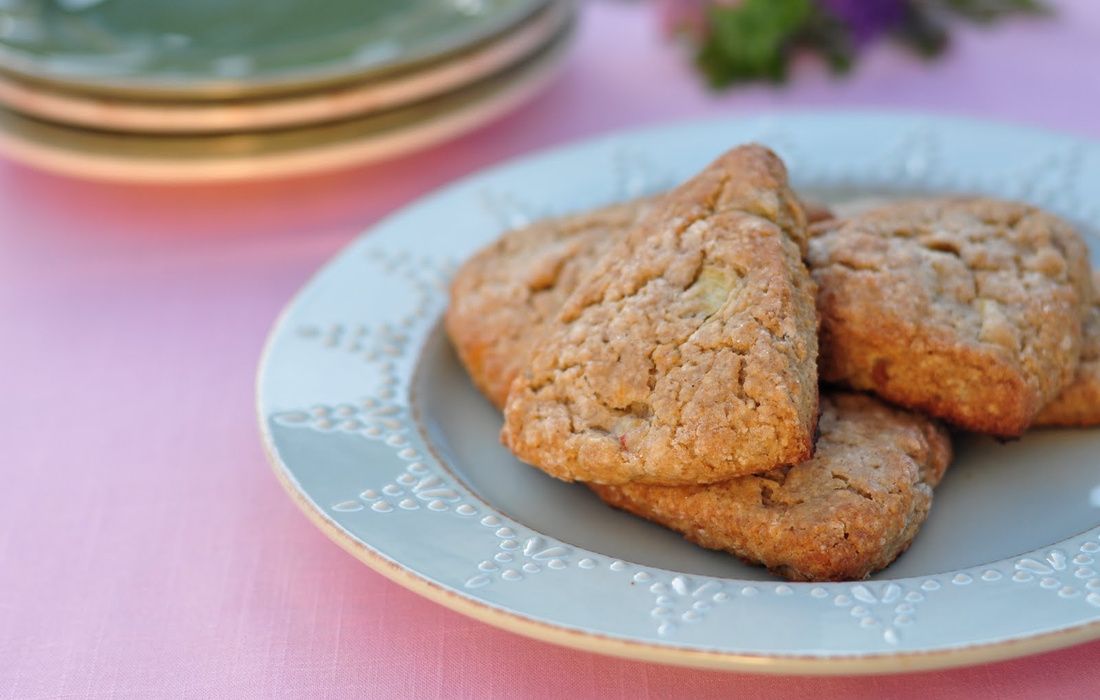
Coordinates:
(145, 548)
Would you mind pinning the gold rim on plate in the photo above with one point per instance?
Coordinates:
(856, 664)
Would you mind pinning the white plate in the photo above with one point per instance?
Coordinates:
(119, 113)
(286, 152)
(377, 433)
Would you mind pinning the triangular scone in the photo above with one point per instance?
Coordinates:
(969, 310)
(689, 354)
(503, 296)
(1079, 403)
(842, 515)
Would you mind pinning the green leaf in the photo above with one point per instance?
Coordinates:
(830, 37)
(986, 11)
(922, 32)
(750, 41)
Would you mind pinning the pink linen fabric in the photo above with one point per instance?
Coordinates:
(145, 548)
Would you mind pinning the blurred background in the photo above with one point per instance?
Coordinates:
(172, 172)
(216, 90)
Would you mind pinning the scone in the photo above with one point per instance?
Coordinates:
(688, 353)
(1079, 403)
(502, 297)
(846, 513)
(967, 309)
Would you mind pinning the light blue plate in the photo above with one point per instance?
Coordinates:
(232, 48)
(375, 429)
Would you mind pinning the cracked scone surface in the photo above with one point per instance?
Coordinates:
(688, 354)
(1079, 403)
(967, 309)
(844, 514)
(502, 296)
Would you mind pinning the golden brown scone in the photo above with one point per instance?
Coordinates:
(688, 354)
(846, 513)
(1079, 403)
(503, 295)
(967, 309)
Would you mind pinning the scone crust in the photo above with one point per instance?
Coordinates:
(1079, 403)
(502, 296)
(844, 514)
(688, 354)
(967, 309)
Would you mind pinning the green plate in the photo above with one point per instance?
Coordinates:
(220, 48)
(178, 159)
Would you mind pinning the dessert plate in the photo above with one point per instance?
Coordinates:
(237, 48)
(179, 158)
(376, 432)
(119, 113)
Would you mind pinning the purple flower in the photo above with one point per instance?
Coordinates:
(866, 19)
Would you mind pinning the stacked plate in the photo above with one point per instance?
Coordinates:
(158, 90)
